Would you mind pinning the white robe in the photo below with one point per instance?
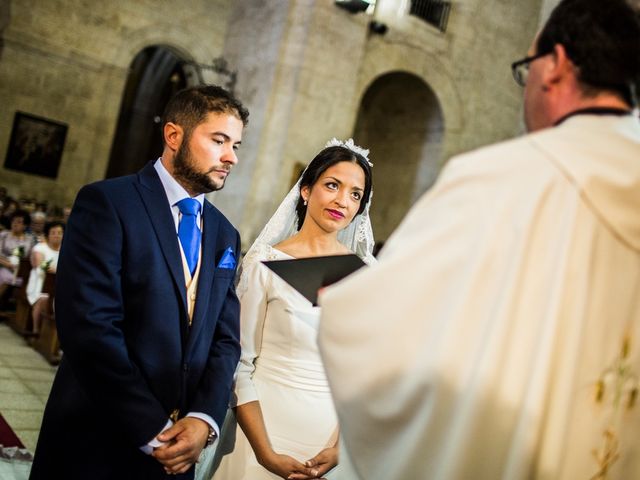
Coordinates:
(475, 347)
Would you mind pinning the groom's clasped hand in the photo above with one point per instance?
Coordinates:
(183, 443)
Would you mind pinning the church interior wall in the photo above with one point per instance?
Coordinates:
(303, 68)
(4, 21)
(68, 61)
(467, 67)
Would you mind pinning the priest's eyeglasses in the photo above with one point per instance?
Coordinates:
(520, 69)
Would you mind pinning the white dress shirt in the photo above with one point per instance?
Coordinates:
(175, 192)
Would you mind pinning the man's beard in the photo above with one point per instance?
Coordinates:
(186, 174)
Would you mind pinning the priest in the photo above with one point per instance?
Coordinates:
(498, 337)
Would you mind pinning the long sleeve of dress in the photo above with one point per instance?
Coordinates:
(253, 308)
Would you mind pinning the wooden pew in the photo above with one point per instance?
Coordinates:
(47, 343)
(21, 321)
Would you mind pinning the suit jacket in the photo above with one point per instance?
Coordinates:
(130, 357)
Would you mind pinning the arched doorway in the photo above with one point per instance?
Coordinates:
(400, 121)
(155, 74)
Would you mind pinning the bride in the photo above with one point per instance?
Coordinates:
(287, 426)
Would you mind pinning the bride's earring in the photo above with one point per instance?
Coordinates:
(305, 203)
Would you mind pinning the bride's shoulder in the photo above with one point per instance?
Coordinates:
(257, 253)
(289, 246)
(252, 272)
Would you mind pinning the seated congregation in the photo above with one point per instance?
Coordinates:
(30, 239)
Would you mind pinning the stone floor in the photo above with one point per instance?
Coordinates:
(25, 381)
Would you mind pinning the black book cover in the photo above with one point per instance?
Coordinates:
(308, 275)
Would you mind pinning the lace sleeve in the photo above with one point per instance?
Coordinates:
(369, 259)
(257, 253)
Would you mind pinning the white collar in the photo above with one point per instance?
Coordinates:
(175, 192)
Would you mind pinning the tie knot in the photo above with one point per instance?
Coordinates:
(189, 206)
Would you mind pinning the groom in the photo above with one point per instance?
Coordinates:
(146, 308)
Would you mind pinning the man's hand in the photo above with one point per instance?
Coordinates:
(185, 440)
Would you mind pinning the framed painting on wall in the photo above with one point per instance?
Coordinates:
(35, 145)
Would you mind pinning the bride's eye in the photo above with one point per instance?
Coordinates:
(331, 185)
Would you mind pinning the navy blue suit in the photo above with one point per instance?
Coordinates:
(130, 357)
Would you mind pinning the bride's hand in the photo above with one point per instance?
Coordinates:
(320, 464)
(287, 467)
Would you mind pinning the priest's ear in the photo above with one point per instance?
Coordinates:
(559, 68)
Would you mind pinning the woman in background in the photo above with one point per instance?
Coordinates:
(15, 244)
(44, 259)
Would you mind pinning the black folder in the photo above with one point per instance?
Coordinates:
(308, 275)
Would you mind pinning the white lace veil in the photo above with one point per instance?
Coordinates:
(357, 236)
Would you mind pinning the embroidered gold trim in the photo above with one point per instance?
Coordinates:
(617, 386)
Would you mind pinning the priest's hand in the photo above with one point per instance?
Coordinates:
(185, 440)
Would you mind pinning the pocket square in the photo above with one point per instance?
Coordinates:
(228, 260)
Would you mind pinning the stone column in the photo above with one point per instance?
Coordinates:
(297, 67)
(254, 47)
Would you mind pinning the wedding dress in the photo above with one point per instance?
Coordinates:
(280, 366)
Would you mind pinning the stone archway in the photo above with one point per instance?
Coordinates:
(401, 122)
(155, 74)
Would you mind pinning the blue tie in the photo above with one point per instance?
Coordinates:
(188, 231)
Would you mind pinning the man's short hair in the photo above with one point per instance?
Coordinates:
(189, 107)
(602, 39)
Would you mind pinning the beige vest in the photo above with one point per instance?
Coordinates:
(190, 282)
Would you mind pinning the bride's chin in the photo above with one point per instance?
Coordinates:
(335, 228)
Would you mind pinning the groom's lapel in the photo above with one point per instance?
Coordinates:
(210, 225)
(157, 207)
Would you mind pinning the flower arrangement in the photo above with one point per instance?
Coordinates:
(45, 265)
(16, 254)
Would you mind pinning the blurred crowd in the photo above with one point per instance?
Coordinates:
(29, 230)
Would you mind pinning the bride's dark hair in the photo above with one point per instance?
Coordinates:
(321, 162)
